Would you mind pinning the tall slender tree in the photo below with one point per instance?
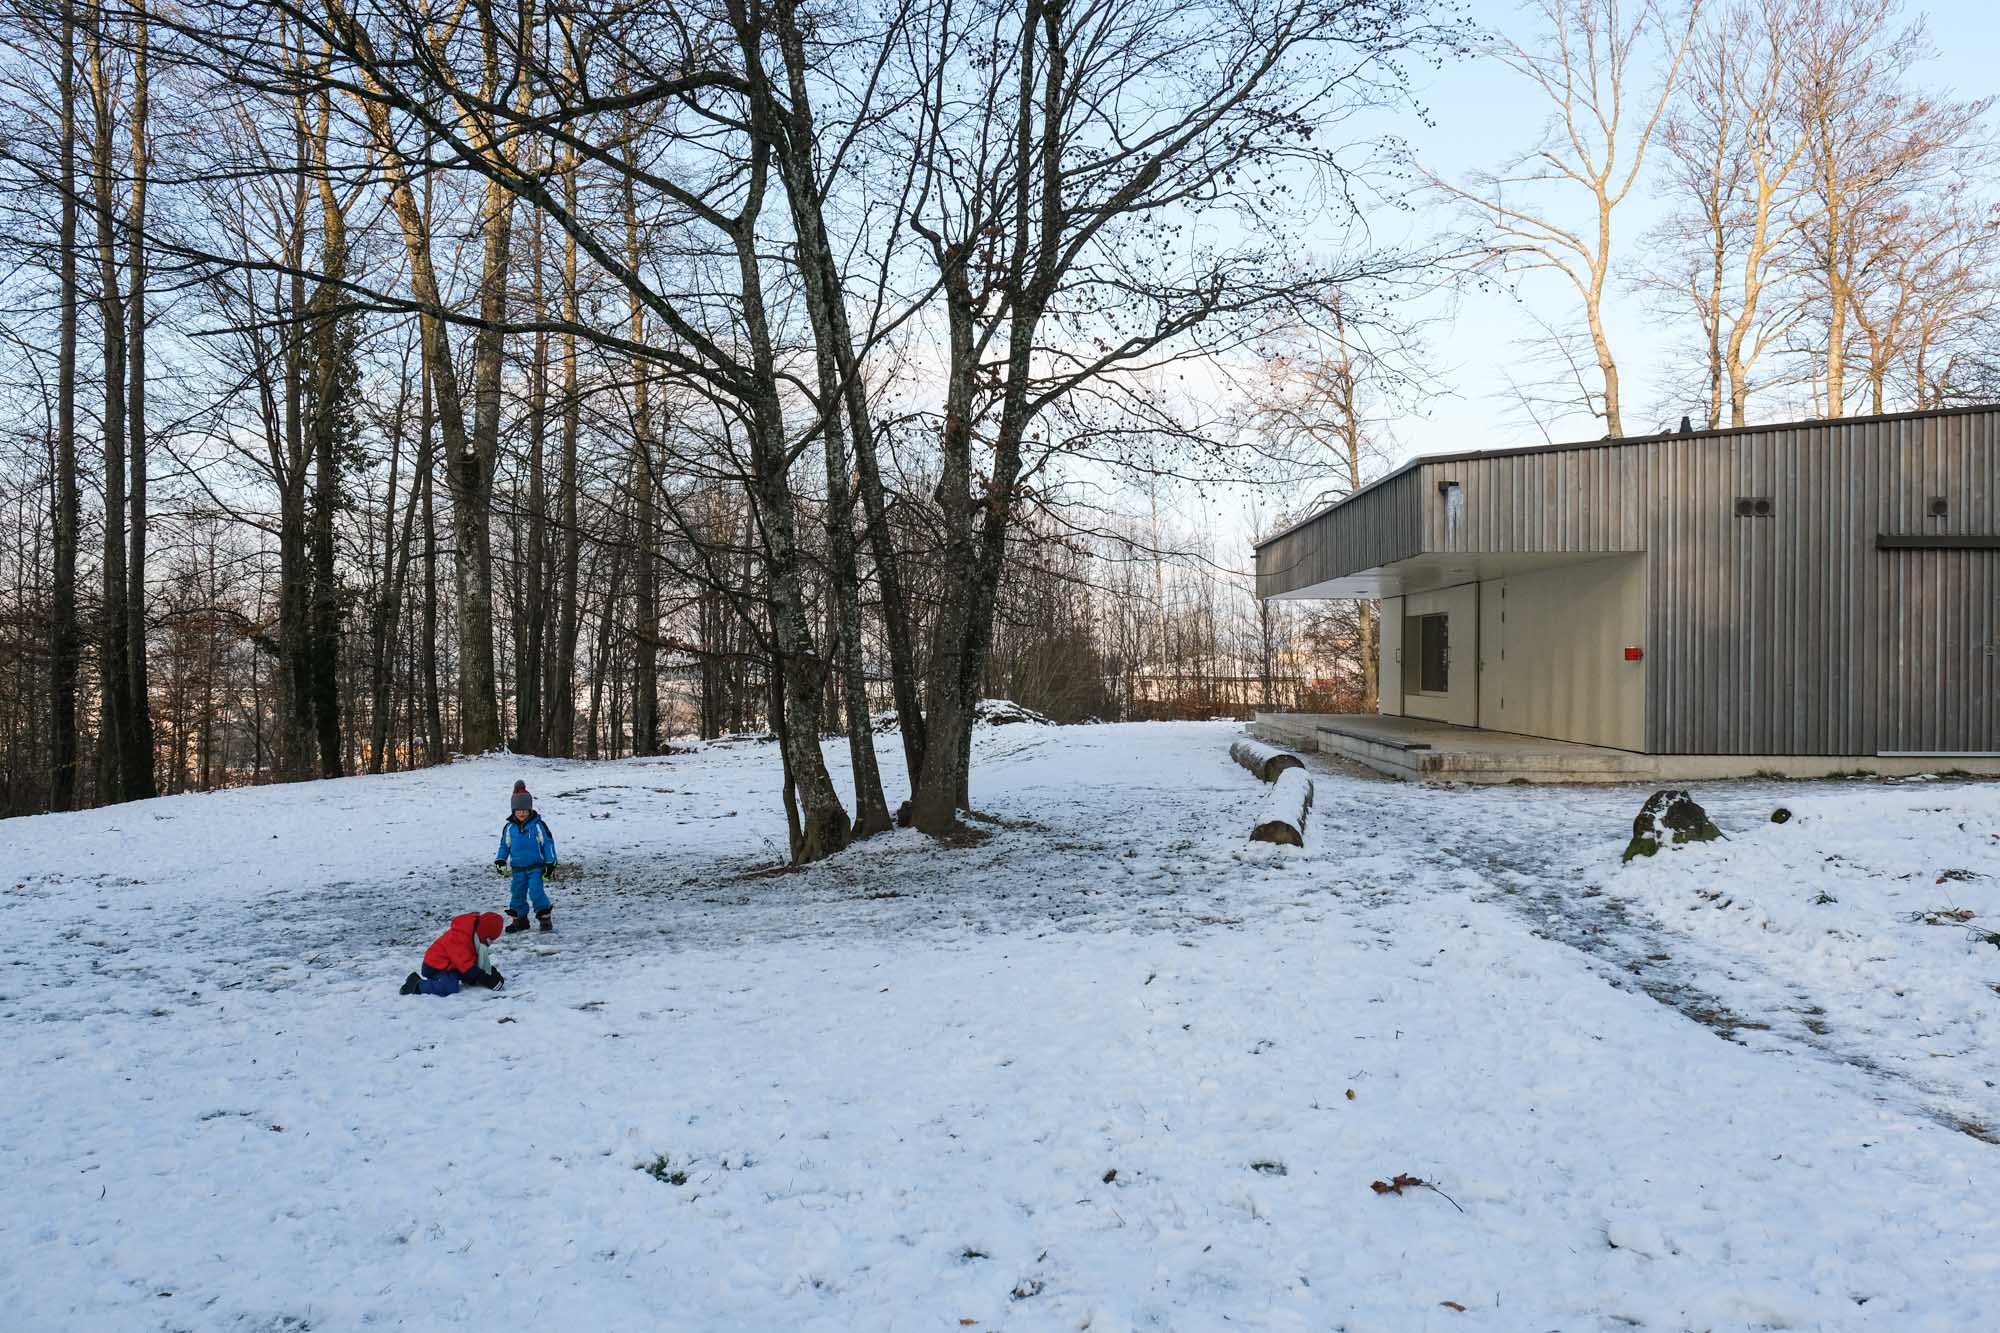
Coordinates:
(1589, 64)
(65, 642)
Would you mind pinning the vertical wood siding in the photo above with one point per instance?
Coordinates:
(1791, 634)
(1582, 500)
(1376, 527)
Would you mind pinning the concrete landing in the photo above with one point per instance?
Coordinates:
(1423, 751)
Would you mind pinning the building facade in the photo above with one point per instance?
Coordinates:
(1820, 588)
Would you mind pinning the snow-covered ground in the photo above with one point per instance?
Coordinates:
(1113, 1068)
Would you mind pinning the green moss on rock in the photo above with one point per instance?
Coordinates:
(1669, 818)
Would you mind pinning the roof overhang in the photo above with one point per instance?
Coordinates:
(1424, 573)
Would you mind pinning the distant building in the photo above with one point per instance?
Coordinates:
(1813, 596)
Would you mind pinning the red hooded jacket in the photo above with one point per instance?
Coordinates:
(457, 950)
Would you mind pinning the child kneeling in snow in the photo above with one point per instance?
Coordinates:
(458, 957)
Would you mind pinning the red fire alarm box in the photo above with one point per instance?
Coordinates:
(1634, 654)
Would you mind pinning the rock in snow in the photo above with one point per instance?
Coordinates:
(1669, 818)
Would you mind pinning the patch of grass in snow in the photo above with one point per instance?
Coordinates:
(664, 1171)
(1007, 822)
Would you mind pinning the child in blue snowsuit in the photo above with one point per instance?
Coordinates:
(527, 848)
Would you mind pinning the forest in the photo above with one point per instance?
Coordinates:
(386, 380)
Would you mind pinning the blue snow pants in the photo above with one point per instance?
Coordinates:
(528, 884)
(444, 981)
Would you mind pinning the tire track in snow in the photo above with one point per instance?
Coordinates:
(1631, 951)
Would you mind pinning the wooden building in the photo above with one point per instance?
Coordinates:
(1811, 590)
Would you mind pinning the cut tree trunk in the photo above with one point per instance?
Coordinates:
(1283, 818)
(1266, 761)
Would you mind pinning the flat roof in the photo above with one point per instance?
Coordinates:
(1619, 441)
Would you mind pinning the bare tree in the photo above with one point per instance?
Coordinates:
(1031, 225)
(1734, 154)
(1926, 285)
(1328, 386)
(1589, 62)
(65, 646)
(1873, 149)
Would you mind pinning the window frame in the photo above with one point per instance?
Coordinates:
(1418, 654)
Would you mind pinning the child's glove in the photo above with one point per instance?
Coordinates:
(499, 867)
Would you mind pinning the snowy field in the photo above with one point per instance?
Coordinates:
(1111, 1069)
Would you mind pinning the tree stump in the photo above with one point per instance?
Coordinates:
(1283, 818)
(1266, 761)
(1669, 818)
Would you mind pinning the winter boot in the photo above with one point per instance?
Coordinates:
(543, 917)
(412, 984)
(518, 924)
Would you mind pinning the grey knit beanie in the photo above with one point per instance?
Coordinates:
(523, 800)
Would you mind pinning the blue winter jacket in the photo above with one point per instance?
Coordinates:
(525, 846)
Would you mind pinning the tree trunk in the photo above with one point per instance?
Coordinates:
(1600, 341)
(471, 478)
(1835, 276)
(65, 641)
(529, 652)
(396, 555)
(843, 388)
(114, 648)
(937, 795)
(600, 659)
(562, 660)
(646, 516)
(824, 827)
(468, 454)
(824, 306)
(427, 479)
(331, 388)
(138, 735)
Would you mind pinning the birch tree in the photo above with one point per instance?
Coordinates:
(1606, 70)
(1874, 149)
(1734, 164)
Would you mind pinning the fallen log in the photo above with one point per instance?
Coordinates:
(1266, 761)
(1283, 818)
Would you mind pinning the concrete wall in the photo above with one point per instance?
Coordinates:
(1551, 649)
(1461, 703)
